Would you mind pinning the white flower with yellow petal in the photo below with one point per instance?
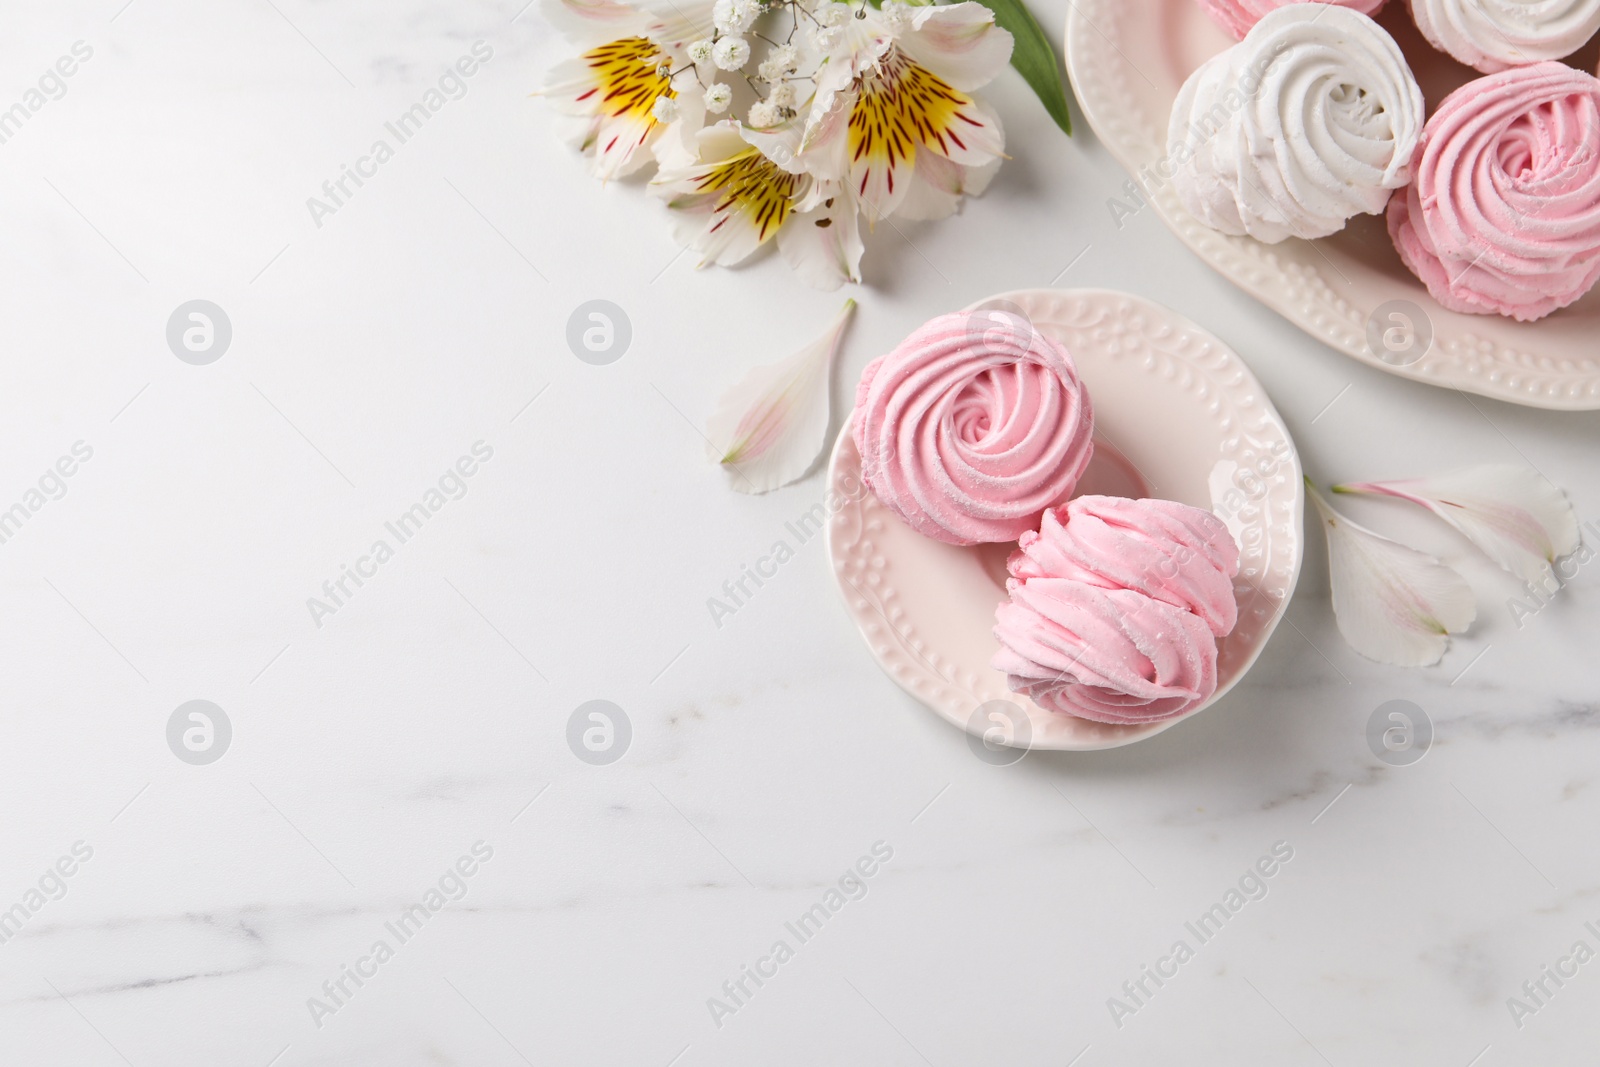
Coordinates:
(745, 189)
(893, 117)
(852, 109)
(632, 58)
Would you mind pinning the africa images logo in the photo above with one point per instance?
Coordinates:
(450, 887)
(851, 885)
(453, 484)
(1253, 885)
(452, 85)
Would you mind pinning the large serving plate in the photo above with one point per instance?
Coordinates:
(1127, 60)
(1178, 415)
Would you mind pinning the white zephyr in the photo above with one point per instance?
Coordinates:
(769, 429)
(1514, 514)
(1393, 604)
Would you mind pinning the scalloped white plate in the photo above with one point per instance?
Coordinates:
(1178, 415)
(1127, 60)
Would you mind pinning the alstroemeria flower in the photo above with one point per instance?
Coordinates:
(734, 197)
(892, 115)
(1393, 604)
(611, 89)
(769, 429)
(1514, 514)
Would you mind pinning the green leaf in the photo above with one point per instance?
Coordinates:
(1033, 57)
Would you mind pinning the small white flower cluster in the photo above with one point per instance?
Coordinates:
(729, 51)
(665, 109)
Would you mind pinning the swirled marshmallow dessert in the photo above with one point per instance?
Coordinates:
(1493, 35)
(1115, 609)
(1238, 16)
(1504, 214)
(1307, 122)
(973, 426)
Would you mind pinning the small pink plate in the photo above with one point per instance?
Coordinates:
(1178, 415)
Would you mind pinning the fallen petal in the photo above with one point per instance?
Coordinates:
(1514, 514)
(769, 429)
(1393, 604)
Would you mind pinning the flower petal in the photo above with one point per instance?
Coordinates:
(769, 429)
(938, 185)
(677, 144)
(594, 21)
(732, 200)
(903, 111)
(825, 144)
(822, 243)
(614, 86)
(1514, 514)
(781, 143)
(960, 43)
(858, 45)
(1393, 604)
(586, 20)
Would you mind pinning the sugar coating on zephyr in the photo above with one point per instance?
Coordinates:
(1504, 214)
(1115, 607)
(973, 426)
(1307, 122)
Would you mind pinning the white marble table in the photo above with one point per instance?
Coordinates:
(376, 745)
